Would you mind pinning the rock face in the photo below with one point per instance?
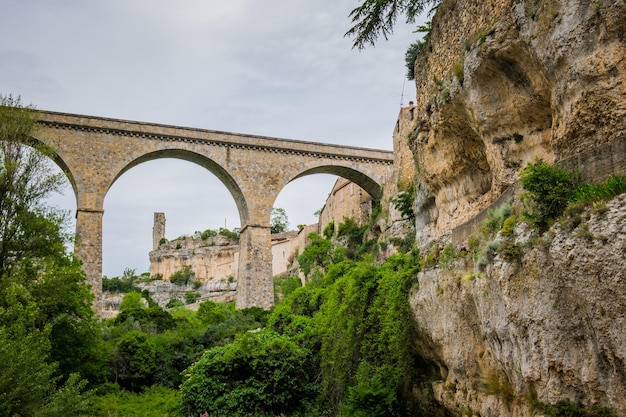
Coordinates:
(502, 83)
(549, 327)
(499, 84)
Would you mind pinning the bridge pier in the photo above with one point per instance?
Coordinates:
(255, 285)
(88, 248)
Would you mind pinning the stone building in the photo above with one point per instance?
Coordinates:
(346, 199)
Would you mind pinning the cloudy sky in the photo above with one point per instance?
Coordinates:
(279, 68)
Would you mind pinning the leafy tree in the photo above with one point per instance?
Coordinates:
(28, 380)
(33, 257)
(134, 361)
(279, 221)
(182, 276)
(259, 374)
(317, 253)
(378, 17)
(132, 301)
(28, 230)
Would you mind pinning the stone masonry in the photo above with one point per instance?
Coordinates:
(94, 152)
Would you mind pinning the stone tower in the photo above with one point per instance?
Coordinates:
(158, 230)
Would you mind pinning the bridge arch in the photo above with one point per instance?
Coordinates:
(55, 157)
(198, 159)
(362, 180)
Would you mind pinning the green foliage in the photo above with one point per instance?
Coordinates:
(132, 301)
(316, 254)
(364, 325)
(606, 190)
(447, 255)
(410, 56)
(373, 395)
(548, 190)
(278, 221)
(403, 202)
(182, 276)
(233, 235)
(377, 17)
(134, 361)
(565, 408)
(29, 232)
(495, 219)
(284, 286)
(155, 401)
(28, 380)
(258, 373)
(191, 297)
(207, 234)
(174, 303)
(116, 284)
(351, 236)
(329, 230)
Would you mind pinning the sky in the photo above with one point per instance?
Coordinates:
(277, 68)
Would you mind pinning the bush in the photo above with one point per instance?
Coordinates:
(317, 253)
(260, 373)
(548, 190)
(191, 297)
(182, 276)
(403, 202)
(207, 234)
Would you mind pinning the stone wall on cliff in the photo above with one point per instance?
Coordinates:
(499, 84)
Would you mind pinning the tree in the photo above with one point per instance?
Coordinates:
(40, 283)
(378, 17)
(279, 220)
(26, 226)
(261, 373)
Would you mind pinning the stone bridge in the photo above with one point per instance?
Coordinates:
(94, 152)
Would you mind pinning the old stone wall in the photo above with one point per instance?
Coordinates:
(346, 199)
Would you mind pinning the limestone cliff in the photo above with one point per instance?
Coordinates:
(549, 327)
(498, 84)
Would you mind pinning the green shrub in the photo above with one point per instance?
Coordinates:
(283, 286)
(182, 276)
(606, 190)
(495, 219)
(259, 373)
(410, 56)
(233, 235)
(174, 303)
(403, 202)
(154, 401)
(207, 234)
(191, 297)
(317, 253)
(329, 230)
(133, 361)
(548, 190)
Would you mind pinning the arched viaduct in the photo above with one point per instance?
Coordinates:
(94, 152)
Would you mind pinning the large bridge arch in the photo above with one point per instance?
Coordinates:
(361, 179)
(198, 159)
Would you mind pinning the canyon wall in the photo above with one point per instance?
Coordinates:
(499, 84)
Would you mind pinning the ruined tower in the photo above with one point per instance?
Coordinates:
(158, 230)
